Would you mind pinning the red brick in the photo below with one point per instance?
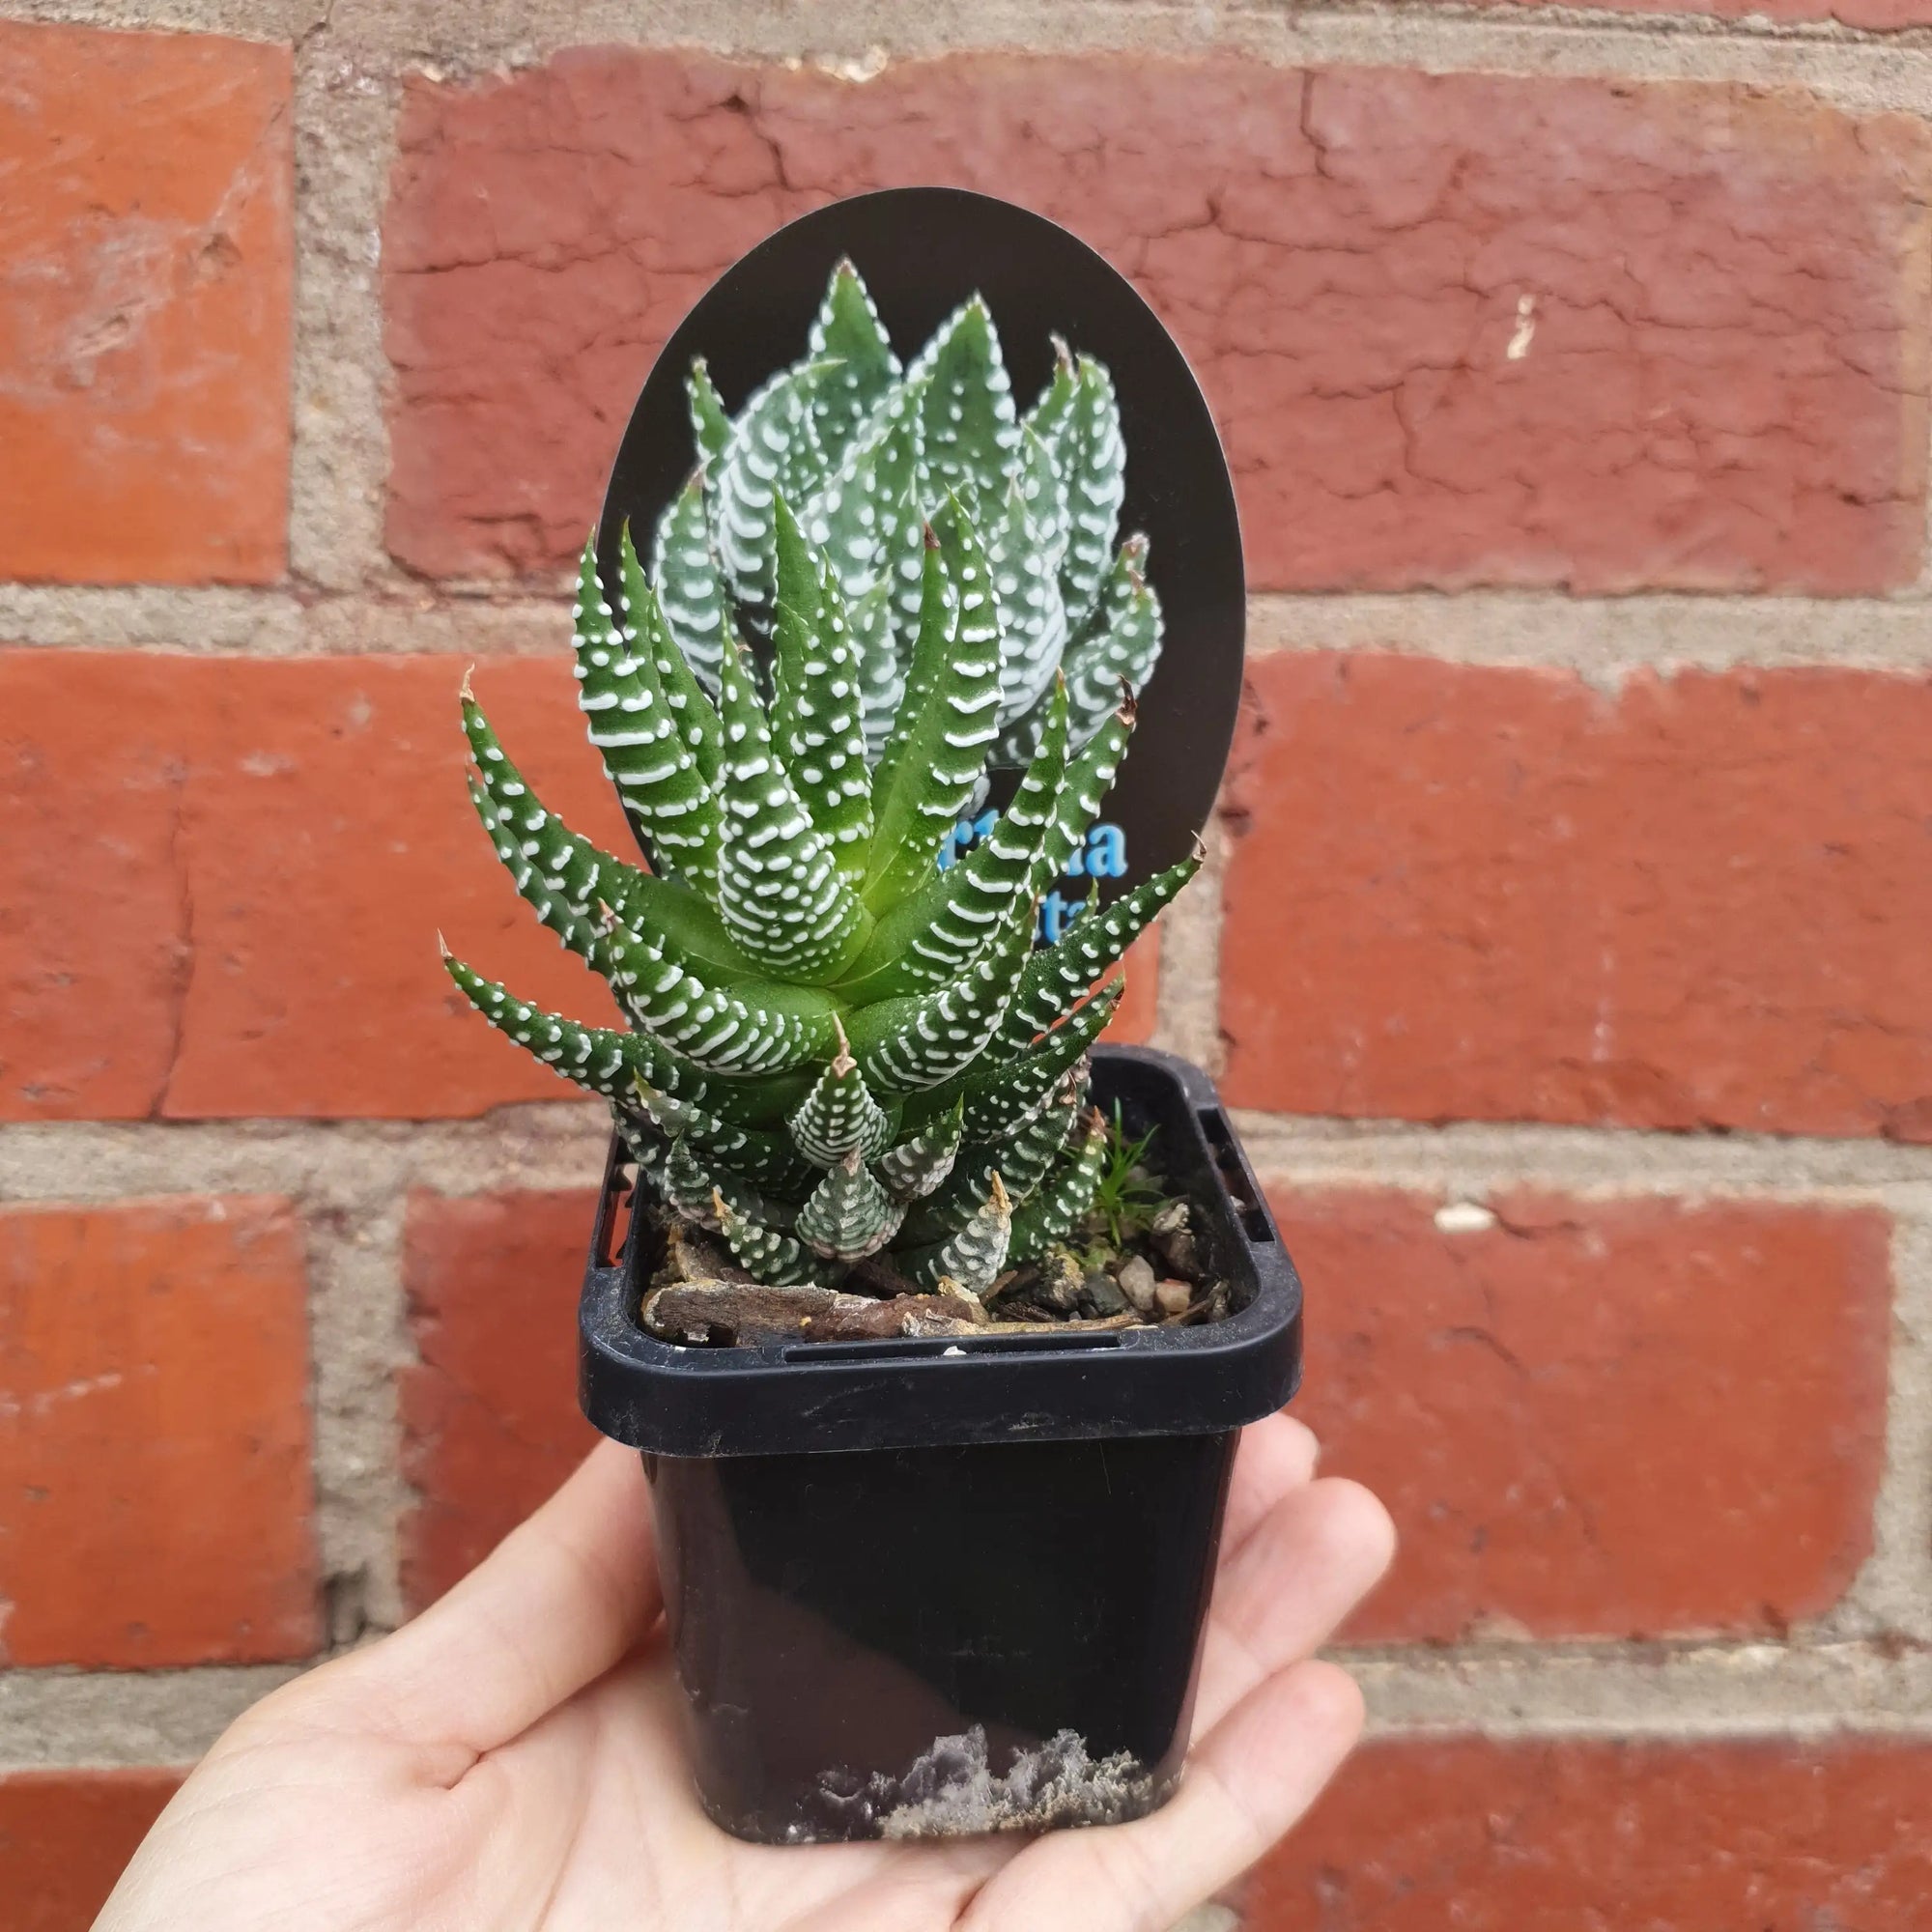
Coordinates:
(256, 935)
(155, 1497)
(144, 306)
(490, 1419)
(1732, 1836)
(1725, 386)
(64, 1836)
(1599, 1418)
(1485, 894)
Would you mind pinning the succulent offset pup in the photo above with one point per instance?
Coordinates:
(843, 1047)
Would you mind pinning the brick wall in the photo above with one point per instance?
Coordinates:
(1565, 945)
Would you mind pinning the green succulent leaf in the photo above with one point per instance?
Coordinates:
(687, 1186)
(971, 433)
(840, 1117)
(710, 422)
(1092, 462)
(1022, 1161)
(905, 1044)
(974, 1256)
(765, 1253)
(557, 871)
(849, 1215)
(923, 1158)
(952, 711)
(881, 676)
(942, 929)
(694, 720)
(780, 891)
(691, 591)
(849, 339)
(715, 1028)
(652, 763)
(817, 723)
(868, 518)
(609, 1063)
(773, 442)
(1061, 976)
(1033, 618)
(598, 1059)
(1061, 1201)
(1121, 644)
(766, 1161)
(1089, 779)
(1000, 1099)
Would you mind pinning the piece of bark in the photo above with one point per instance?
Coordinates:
(729, 1310)
(719, 1312)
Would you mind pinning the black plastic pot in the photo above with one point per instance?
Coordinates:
(932, 1588)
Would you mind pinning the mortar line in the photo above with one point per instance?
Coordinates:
(1599, 638)
(1893, 1588)
(1476, 35)
(556, 1145)
(57, 1719)
(1189, 1008)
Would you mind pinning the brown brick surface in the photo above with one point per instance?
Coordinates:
(156, 1499)
(1873, 16)
(146, 268)
(1462, 892)
(1457, 328)
(264, 852)
(64, 1836)
(1771, 1836)
(490, 1419)
(1600, 1418)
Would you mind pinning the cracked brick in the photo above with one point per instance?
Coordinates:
(1457, 329)
(156, 1502)
(145, 306)
(225, 878)
(1776, 1834)
(490, 1419)
(1625, 1418)
(1472, 892)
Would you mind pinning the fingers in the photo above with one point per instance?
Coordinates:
(1304, 1566)
(1277, 1455)
(1247, 1785)
(558, 1602)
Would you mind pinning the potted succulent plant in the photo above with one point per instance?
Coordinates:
(934, 1319)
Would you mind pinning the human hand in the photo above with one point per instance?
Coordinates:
(511, 1759)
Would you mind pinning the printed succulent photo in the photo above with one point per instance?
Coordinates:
(846, 1058)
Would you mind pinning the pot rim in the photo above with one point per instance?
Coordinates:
(672, 1399)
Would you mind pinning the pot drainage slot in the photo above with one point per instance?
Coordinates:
(1255, 1222)
(944, 1345)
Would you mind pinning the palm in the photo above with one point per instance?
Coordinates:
(511, 1759)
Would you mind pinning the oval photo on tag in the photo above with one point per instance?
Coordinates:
(920, 253)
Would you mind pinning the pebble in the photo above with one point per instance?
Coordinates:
(1101, 1293)
(1175, 1297)
(1061, 1288)
(1137, 1284)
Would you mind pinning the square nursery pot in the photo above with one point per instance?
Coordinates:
(932, 1587)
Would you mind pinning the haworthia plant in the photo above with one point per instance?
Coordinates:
(863, 452)
(840, 1054)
